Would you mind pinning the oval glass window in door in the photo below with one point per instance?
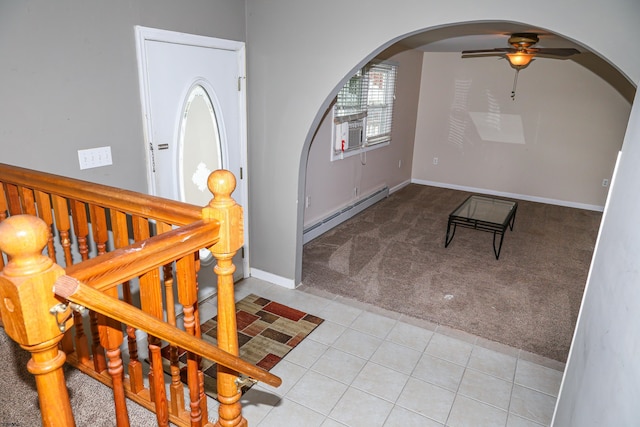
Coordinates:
(200, 152)
(200, 147)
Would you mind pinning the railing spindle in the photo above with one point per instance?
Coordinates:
(187, 295)
(45, 213)
(81, 340)
(3, 203)
(63, 225)
(3, 216)
(80, 227)
(120, 233)
(13, 198)
(111, 339)
(160, 394)
(97, 350)
(81, 230)
(203, 397)
(176, 389)
(136, 382)
(150, 292)
(99, 228)
(28, 201)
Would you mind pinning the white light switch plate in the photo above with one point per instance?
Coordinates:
(94, 157)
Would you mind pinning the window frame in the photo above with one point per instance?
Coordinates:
(356, 94)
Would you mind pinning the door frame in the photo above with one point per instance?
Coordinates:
(144, 34)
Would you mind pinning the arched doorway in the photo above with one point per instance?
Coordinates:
(462, 143)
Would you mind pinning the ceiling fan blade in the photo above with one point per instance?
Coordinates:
(553, 51)
(489, 51)
(498, 55)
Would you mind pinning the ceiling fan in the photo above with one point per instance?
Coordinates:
(521, 52)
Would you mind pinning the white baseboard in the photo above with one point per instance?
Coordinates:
(399, 186)
(273, 278)
(326, 224)
(511, 195)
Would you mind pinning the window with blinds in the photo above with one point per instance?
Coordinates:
(381, 84)
(352, 98)
(368, 97)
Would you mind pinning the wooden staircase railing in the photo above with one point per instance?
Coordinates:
(128, 247)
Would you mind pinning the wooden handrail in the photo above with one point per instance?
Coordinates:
(123, 264)
(170, 211)
(72, 290)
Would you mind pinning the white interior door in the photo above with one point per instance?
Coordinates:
(193, 100)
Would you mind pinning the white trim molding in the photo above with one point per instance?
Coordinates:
(548, 201)
(273, 278)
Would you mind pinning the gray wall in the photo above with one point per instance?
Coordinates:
(69, 79)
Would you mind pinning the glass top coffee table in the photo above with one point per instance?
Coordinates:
(486, 214)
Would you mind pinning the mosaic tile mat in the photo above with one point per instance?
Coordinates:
(267, 331)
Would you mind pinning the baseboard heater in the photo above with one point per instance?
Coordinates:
(321, 227)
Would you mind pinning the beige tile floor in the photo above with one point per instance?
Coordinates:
(367, 367)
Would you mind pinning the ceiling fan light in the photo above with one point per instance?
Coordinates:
(519, 59)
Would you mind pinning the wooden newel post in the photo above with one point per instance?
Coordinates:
(224, 209)
(26, 296)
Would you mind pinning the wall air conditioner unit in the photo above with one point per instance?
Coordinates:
(349, 133)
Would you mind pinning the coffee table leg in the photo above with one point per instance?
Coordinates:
(497, 252)
(513, 218)
(448, 239)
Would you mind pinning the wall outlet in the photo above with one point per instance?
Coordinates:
(399, 164)
(435, 160)
(94, 157)
(307, 201)
(605, 182)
